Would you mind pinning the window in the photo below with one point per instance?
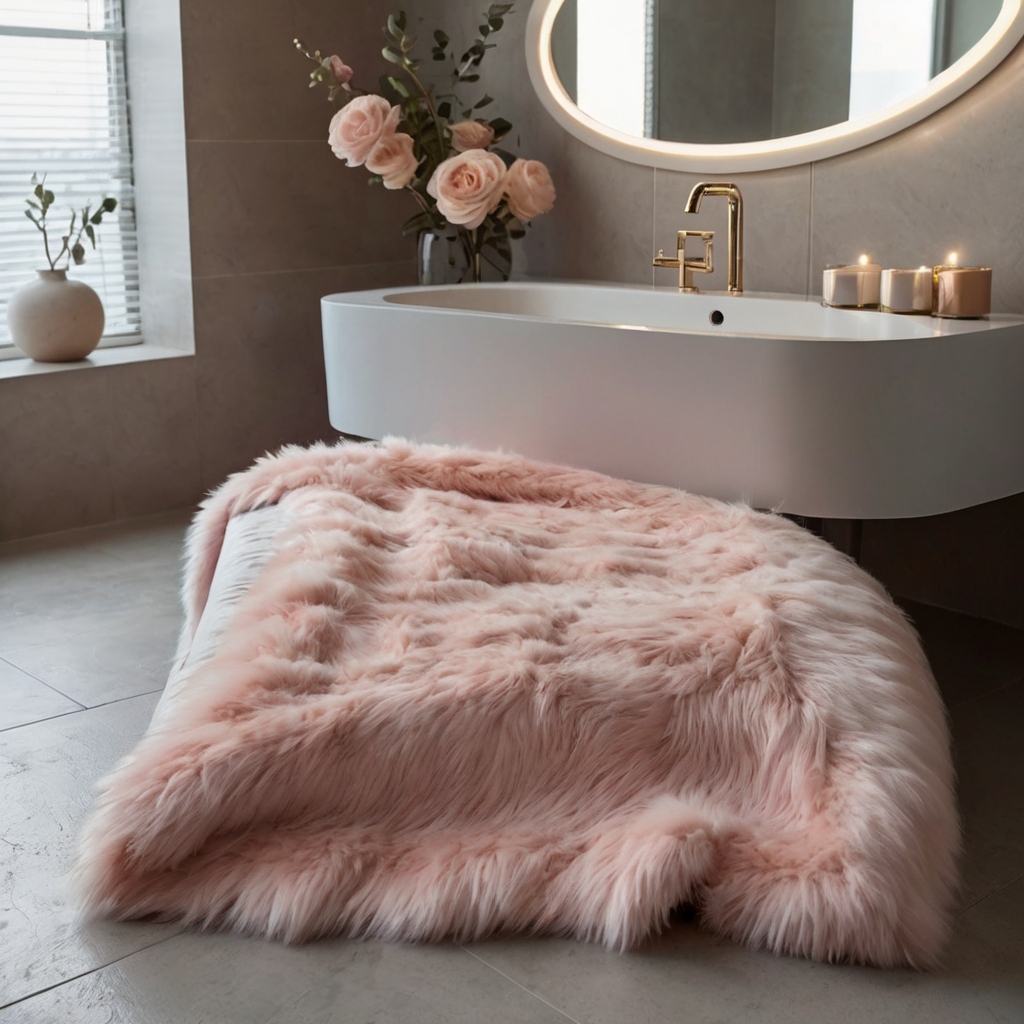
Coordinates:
(64, 113)
(891, 52)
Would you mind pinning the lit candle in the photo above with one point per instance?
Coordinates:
(961, 293)
(906, 291)
(854, 286)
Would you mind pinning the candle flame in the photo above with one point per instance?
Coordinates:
(952, 259)
(864, 260)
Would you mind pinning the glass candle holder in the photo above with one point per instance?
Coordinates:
(906, 291)
(961, 293)
(852, 287)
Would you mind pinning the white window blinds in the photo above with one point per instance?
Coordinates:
(64, 113)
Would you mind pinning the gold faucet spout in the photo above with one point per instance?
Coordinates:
(735, 227)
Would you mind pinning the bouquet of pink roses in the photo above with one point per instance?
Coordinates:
(469, 189)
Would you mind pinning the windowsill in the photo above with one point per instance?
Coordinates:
(114, 356)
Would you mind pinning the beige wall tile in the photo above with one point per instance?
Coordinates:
(94, 444)
(268, 206)
(55, 467)
(152, 437)
(245, 80)
(589, 235)
(261, 369)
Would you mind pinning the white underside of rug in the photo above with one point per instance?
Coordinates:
(429, 693)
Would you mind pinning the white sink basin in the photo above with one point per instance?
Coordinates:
(783, 403)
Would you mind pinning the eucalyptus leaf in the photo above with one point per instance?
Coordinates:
(483, 103)
(442, 38)
(78, 253)
(108, 205)
(419, 222)
(399, 86)
(91, 232)
(48, 198)
(390, 55)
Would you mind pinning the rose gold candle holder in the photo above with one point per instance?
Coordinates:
(961, 293)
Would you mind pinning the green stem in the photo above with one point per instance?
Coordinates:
(430, 107)
(419, 199)
(63, 249)
(46, 246)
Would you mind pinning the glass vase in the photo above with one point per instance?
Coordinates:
(454, 256)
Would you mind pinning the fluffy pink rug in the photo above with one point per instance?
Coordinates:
(474, 693)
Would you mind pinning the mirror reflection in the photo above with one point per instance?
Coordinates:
(730, 71)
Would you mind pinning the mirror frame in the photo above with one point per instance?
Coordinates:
(728, 158)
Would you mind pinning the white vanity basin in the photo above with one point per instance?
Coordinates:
(784, 404)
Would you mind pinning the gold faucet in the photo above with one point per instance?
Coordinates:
(732, 194)
(689, 267)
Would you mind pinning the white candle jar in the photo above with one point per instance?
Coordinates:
(906, 291)
(852, 287)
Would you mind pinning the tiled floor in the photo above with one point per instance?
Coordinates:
(88, 624)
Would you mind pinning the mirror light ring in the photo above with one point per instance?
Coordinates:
(993, 47)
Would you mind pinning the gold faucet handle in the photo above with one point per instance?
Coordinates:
(690, 266)
(661, 260)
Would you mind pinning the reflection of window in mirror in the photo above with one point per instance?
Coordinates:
(898, 46)
(722, 71)
(891, 49)
(604, 53)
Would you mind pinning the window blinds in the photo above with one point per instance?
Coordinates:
(64, 113)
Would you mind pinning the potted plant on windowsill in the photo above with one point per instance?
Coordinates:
(54, 319)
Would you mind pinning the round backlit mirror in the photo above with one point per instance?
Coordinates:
(742, 85)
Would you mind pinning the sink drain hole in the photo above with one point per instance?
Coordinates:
(717, 318)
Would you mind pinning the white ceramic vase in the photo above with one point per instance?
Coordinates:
(55, 320)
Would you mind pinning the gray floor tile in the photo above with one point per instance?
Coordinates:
(989, 756)
(95, 613)
(970, 657)
(95, 569)
(96, 656)
(689, 975)
(24, 699)
(47, 773)
(225, 978)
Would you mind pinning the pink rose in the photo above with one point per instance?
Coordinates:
(359, 126)
(468, 186)
(530, 189)
(471, 135)
(341, 71)
(393, 159)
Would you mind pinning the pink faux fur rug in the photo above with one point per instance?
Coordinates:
(473, 693)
